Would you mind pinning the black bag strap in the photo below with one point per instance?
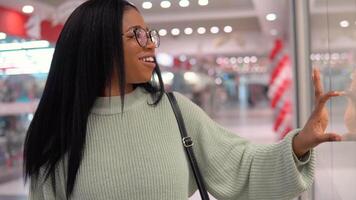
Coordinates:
(188, 144)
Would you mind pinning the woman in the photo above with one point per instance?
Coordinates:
(103, 130)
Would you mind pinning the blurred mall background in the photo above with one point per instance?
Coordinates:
(247, 63)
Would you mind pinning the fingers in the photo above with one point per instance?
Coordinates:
(330, 137)
(318, 87)
(324, 98)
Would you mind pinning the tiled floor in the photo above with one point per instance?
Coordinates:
(255, 124)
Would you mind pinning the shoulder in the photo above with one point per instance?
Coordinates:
(181, 98)
(184, 101)
(188, 108)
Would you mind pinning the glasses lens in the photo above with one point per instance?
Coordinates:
(141, 37)
(155, 37)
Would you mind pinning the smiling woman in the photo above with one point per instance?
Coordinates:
(91, 59)
(105, 130)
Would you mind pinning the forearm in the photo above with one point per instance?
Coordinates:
(281, 176)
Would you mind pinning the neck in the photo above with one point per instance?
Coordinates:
(115, 90)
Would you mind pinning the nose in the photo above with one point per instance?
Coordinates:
(150, 44)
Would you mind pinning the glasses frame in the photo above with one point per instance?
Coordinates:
(148, 36)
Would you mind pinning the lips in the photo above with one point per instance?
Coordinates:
(148, 60)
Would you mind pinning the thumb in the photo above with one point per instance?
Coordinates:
(330, 137)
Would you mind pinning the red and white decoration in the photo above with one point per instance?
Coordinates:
(15, 23)
(280, 87)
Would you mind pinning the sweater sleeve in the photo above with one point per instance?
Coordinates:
(233, 168)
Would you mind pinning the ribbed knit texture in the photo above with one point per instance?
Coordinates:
(138, 155)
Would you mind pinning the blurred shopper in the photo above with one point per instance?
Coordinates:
(104, 130)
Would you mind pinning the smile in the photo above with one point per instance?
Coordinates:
(147, 59)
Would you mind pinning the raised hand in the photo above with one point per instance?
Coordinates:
(313, 132)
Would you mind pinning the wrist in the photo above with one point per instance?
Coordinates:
(298, 146)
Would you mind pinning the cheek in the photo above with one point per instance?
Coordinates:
(136, 72)
(130, 54)
(131, 58)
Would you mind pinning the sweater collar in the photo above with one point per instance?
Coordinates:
(112, 104)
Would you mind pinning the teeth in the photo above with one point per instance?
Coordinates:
(148, 59)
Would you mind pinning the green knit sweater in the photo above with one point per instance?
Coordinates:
(139, 156)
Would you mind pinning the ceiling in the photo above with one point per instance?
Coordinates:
(326, 32)
(247, 18)
(252, 33)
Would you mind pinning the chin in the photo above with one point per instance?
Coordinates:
(143, 79)
(147, 79)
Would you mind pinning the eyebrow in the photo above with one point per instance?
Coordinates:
(137, 26)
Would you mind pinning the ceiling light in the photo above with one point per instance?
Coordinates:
(228, 29)
(203, 2)
(214, 29)
(2, 35)
(162, 32)
(183, 3)
(271, 17)
(147, 5)
(201, 30)
(175, 31)
(165, 4)
(344, 23)
(28, 9)
(188, 31)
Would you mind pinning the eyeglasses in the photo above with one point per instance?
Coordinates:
(142, 36)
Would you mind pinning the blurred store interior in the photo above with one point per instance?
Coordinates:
(239, 60)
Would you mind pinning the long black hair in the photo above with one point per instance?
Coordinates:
(88, 49)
